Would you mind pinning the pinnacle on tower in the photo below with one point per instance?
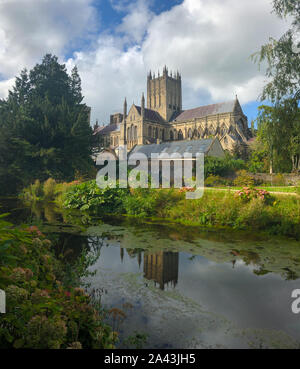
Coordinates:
(125, 109)
(143, 105)
(165, 71)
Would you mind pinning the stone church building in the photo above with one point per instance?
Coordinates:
(163, 120)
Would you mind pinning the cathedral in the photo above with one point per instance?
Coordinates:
(163, 120)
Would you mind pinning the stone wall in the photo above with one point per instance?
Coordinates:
(289, 178)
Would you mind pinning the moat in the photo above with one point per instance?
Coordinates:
(184, 287)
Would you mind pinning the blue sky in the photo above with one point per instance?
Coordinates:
(115, 43)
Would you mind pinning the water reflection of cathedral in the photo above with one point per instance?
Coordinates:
(162, 267)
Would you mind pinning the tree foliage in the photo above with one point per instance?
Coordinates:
(283, 62)
(44, 128)
(279, 126)
(279, 131)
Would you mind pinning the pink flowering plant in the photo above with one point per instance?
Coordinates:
(248, 193)
(44, 309)
(187, 189)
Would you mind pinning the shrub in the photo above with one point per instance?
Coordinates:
(222, 167)
(33, 192)
(279, 180)
(253, 215)
(43, 311)
(150, 202)
(243, 179)
(140, 205)
(213, 181)
(88, 196)
(49, 187)
(247, 194)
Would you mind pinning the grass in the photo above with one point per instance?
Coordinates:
(286, 189)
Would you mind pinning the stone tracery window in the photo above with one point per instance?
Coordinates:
(135, 133)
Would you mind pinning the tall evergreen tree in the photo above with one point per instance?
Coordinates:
(44, 127)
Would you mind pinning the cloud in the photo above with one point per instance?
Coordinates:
(31, 28)
(6, 85)
(134, 24)
(209, 42)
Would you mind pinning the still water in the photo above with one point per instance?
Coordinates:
(190, 288)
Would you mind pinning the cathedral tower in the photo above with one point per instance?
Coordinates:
(164, 93)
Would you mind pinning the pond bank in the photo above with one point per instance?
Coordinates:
(248, 209)
(45, 306)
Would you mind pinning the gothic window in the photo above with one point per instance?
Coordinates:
(128, 134)
(180, 135)
(223, 129)
(171, 136)
(190, 133)
(135, 133)
(156, 133)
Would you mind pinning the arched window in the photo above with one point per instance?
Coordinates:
(156, 133)
(128, 134)
(190, 134)
(180, 135)
(131, 133)
(163, 135)
(135, 133)
(200, 132)
(223, 129)
(171, 136)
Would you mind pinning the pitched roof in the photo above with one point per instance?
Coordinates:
(106, 129)
(150, 114)
(203, 111)
(180, 147)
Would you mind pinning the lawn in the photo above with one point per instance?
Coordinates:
(285, 189)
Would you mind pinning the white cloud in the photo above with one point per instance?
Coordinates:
(31, 28)
(135, 23)
(209, 42)
(6, 85)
